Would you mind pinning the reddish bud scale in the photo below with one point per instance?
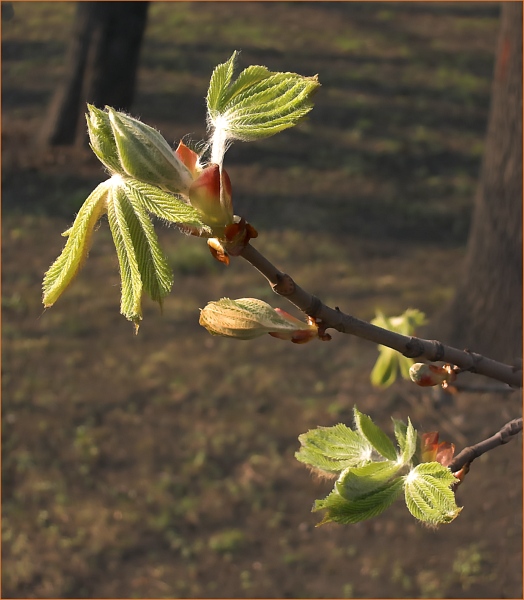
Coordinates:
(188, 157)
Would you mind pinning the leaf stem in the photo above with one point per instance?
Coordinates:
(410, 346)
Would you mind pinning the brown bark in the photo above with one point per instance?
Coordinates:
(102, 65)
(485, 315)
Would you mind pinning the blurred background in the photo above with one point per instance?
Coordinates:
(162, 465)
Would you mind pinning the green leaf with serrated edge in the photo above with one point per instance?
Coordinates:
(428, 493)
(165, 205)
(384, 372)
(400, 429)
(340, 510)
(357, 482)
(102, 140)
(259, 103)
(219, 82)
(375, 436)
(155, 272)
(66, 266)
(333, 449)
(145, 155)
(410, 445)
(122, 222)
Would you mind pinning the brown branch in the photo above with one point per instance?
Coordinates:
(412, 347)
(470, 453)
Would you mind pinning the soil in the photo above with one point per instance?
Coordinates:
(162, 465)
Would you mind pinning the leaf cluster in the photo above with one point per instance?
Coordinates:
(373, 473)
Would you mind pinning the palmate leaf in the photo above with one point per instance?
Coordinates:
(340, 510)
(375, 436)
(259, 103)
(333, 449)
(143, 265)
(67, 265)
(428, 493)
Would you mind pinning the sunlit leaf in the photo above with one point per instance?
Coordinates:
(67, 265)
(333, 449)
(375, 436)
(357, 482)
(428, 493)
(340, 510)
(124, 224)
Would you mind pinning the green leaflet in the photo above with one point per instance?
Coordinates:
(408, 440)
(259, 103)
(428, 493)
(67, 265)
(333, 449)
(340, 510)
(156, 274)
(164, 205)
(123, 224)
(359, 482)
(375, 436)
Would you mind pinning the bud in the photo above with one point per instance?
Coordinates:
(248, 318)
(102, 140)
(145, 155)
(430, 375)
(189, 158)
(210, 194)
(433, 451)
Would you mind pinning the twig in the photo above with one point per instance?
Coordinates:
(412, 347)
(470, 453)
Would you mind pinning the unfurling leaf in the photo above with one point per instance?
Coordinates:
(257, 105)
(358, 482)
(67, 265)
(375, 436)
(340, 510)
(333, 449)
(248, 318)
(428, 493)
(390, 362)
(145, 155)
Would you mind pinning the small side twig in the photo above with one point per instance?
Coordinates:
(470, 453)
(410, 346)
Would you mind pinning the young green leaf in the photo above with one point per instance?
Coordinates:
(384, 372)
(390, 362)
(333, 449)
(257, 105)
(409, 444)
(428, 493)
(155, 272)
(67, 265)
(164, 205)
(357, 482)
(124, 225)
(340, 510)
(375, 436)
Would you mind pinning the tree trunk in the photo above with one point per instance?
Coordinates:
(102, 65)
(485, 315)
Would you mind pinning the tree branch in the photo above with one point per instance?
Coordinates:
(470, 453)
(410, 346)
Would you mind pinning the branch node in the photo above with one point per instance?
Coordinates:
(314, 308)
(414, 348)
(438, 351)
(285, 286)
